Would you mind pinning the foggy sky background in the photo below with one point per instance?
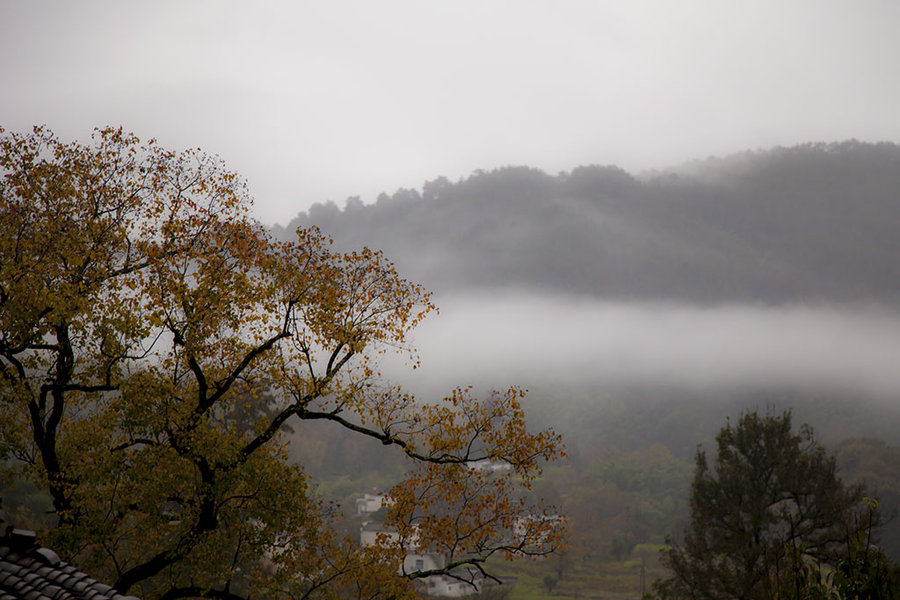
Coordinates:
(315, 101)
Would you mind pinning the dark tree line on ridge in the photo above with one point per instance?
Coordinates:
(813, 222)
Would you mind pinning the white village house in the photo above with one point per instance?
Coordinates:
(371, 502)
(443, 586)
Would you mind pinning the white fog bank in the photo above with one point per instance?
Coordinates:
(523, 339)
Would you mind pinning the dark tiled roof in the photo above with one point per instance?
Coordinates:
(31, 572)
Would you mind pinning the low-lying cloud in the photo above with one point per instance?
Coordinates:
(524, 339)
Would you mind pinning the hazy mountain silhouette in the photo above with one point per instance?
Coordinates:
(815, 228)
(810, 223)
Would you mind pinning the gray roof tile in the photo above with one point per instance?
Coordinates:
(31, 572)
(47, 556)
(104, 589)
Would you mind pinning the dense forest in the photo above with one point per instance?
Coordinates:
(809, 225)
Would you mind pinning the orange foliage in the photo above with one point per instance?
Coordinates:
(155, 341)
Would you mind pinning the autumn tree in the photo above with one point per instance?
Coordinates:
(154, 344)
(772, 519)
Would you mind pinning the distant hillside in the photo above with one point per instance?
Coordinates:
(808, 223)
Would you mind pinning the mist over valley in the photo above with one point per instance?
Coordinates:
(643, 311)
(763, 270)
(525, 339)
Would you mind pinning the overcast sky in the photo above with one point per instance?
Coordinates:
(315, 101)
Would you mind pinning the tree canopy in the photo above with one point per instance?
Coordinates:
(771, 519)
(154, 344)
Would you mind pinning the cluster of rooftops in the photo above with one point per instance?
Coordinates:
(29, 571)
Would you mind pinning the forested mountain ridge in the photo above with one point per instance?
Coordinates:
(817, 222)
(808, 225)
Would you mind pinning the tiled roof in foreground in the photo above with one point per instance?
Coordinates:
(31, 572)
